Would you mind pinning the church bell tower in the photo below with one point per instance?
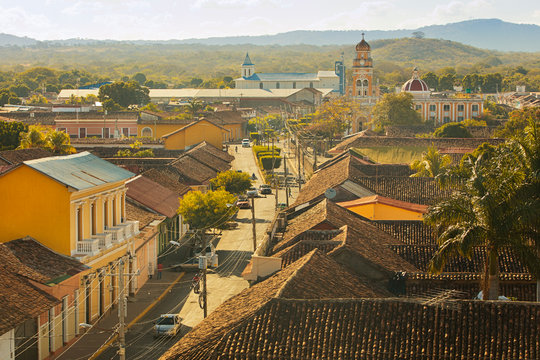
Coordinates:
(248, 68)
(362, 84)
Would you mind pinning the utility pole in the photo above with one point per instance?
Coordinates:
(298, 160)
(121, 312)
(315, 142)
(203, 264)
(253, 223)
(286, 183)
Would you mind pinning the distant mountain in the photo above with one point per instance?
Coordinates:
(6, 39)
(491, 34)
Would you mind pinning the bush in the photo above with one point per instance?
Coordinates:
(452, 130)
(254, 136)
(268, 161)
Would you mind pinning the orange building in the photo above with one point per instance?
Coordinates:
(381, 208)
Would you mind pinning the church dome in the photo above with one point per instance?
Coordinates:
(363, 45)
(415, 83)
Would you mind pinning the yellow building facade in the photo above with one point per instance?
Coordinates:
(381, 208)
(195, 133)
(75, 205)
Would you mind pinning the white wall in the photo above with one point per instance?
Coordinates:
(7, 345)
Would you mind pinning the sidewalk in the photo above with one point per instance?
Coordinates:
(149, 295)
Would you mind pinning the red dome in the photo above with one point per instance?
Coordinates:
(415, 85)
(363, 45)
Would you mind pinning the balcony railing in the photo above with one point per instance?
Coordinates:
(88, 246)
(105, 240)
(117, 234)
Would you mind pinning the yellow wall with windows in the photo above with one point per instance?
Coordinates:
(158, 130)
(194, 134)
(376, 211)
(34, 204)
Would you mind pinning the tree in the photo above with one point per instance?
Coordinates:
(209, 210)
(452, 130)
(431, 79)
(333, 117)
(124, 93)
(496, 205)
(519, 120)
(194, 106)
(10, 134)
(432, 163)
(446, 82)
(395, 109)
(140, 78)
(232, 181)
(53, 140)
(8, 97)
(418, 34)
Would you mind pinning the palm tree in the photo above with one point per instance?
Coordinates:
(58, 142)
(432, 163)
(495, 206)
(34, 138)
(194, 107)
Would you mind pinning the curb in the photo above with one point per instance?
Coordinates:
(132, 322)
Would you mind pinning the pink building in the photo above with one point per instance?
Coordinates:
(82, 125)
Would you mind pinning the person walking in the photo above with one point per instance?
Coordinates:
(159, 270)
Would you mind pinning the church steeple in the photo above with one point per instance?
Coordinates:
(248, 68)
(362, 86)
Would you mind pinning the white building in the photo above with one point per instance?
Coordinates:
(269, 81)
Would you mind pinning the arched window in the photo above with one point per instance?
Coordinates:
(366, 83)
(294, 85)
(311, 84)
(260, 85)
(277, 85)
(146, 132)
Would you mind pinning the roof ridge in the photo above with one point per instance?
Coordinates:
(306, 259)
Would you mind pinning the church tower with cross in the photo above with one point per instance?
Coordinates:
(362, 87)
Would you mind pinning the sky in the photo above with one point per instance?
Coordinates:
(182, 19)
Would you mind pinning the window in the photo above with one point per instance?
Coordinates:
(475, 107)
(418, 107)
(277, 85)
(260, 85)
(105, 214)
(106, 133)
(64, 319)
(61, 129)
(125, 132)
(432, 118)
(82, 133)
(146, 132)
(311, 85)
(366, 83)
(446, 107)
(294, 85)
(460, 118)
(432, 107)
(93, 229)
(446, 119)
(76, 310)
(51, 329)
(460, 107)
(114, 212)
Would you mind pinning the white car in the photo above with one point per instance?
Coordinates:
(209, 253)
(252, 192)
(167, 325)
(245, 143)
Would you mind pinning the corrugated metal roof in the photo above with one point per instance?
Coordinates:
(80, 171)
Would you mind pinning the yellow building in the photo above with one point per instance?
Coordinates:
(381, 208)
(74, 205)
(195, 133)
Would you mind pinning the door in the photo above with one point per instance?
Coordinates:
(82, 133)
(106, 133)
(26, 344)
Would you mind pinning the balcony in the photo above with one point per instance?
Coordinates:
(105, 240)
(88, 246)
(131, 228)
(117, 234)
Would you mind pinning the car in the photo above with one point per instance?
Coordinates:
(243, 204)
(209, 253)
(245, 143)
(167, 325)
(265, 189)
(252, 192)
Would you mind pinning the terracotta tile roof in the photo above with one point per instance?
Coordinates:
(225, 117)
(375, 329)
(362, 239)
(152, 195)
(144, 216)
(314, 276)
(20, 300)
(168, 177)
(32, 118)
(13, 157)
(384, 169)
(420, 255)
(200, 154)
(416, 190)
(376, 199)
(408, 232)
(223, 155)
(192, 171)
(47, 263)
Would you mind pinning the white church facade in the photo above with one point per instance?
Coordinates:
(322, 80)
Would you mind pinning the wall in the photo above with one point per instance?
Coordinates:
(194, 134)
(35, 205)
(7, 345)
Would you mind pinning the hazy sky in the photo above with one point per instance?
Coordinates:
(180, 19)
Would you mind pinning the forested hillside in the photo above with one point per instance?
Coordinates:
(177, 65)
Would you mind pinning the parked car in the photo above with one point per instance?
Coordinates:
(265, 189)
(167, 325)
(243, 204)
(252, 192)
(245, 143)
(209, 253)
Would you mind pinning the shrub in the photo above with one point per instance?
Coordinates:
(452, 130)
(268, 161)
(254, 136)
